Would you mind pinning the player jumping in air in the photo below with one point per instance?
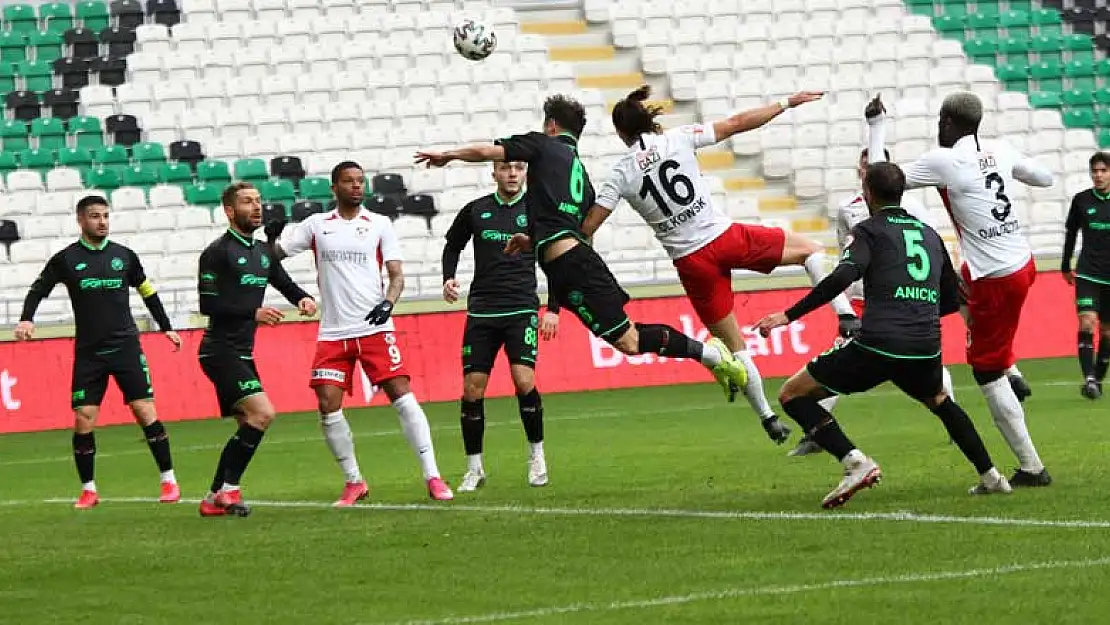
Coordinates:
(502, 313)
(232, 277)
(559, 194)
(660, 178)
(351, 247)
(852, 211)
(909, 285)
(1090, 214)
(998, 268)
(97, 273)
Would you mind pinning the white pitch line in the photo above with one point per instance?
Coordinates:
(742, 515)
(601, 414)
(761, 591)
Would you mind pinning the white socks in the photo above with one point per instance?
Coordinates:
(946, 384)
(474, 464)
(337, 434)
(1013, 370)
(710, 356)
(829, 402)
(537, 448)
(1009, 417)
(89, 486)
(753, 390)
(815, 268)
(853, 458)
(168, 477)
(414, 424)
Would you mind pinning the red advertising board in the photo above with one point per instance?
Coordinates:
(35, 377)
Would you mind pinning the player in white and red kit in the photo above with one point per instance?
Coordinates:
(998, 270)
(351, 247)
(851, 211)
(660, 178)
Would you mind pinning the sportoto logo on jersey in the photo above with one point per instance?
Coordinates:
(36, 397)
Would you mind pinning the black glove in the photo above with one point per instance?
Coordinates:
(273, 230)
(849, 326)
(381, 313)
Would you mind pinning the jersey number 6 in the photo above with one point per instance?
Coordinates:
(672, 186)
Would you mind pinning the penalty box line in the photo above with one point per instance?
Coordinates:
(763, 591)
(735, 515)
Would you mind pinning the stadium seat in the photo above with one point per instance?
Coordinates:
(279, 190)
(203, 194)
(111, 155)
(148, 153)
(175, 173)
(186, 151)
(49, 133)
(140, 175)
(56, 16)
(13, 47)
(318, 189)
(213, 172)
(128, 14)
(102, 178)
(62, 103)
(383, 205)
(47, 45)
(36, 75)
(93, 15)
(77, 157)
(304, 209)
(124, 129)
(109, 71)
(274, 211)
(164, 12)
(251, 170)
(24, 105)
(40, 160)
(20, 18)
(118, 41)
(74, 73)
(64, 179)
(289, 167)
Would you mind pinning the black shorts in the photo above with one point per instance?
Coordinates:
(485, 336)
(1091, 296)
(582, 283)
(234, 377)
(851, 368)
(92, 368)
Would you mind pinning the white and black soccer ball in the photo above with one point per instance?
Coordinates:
(474, 40)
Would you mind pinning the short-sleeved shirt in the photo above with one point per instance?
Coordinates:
(559, 189)
(853, 211)
(350, 258)
(973, 180)
(661, 180)
(1090, 214)
(907, 277)
(98, 279)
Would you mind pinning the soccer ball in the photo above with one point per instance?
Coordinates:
(474, 40)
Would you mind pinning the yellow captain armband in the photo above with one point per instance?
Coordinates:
(146, 289)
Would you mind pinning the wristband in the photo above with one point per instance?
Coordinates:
(785, 104)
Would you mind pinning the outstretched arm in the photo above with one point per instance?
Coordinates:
(473, 153)
(1032, 173)
(757, 117)
(920, 173)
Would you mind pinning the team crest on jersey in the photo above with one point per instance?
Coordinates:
(575, 298)
(362, 231)
(521, 221)
(265, 261)
(117, 264)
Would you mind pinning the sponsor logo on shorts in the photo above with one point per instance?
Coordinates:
(1085, 301)
(329, 374)
(78, 395)
(251, 385)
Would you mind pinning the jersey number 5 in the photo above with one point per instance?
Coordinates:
(999, 212)
(678, 188)
(917, 258)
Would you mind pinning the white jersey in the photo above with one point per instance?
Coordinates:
(854, 210)
(350, 256)
(973, 180)
(661, 179)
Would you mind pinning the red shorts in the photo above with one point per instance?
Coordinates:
(707, 273)
(994, 310)
(334, 363)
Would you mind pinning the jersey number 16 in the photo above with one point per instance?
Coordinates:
(678, 188)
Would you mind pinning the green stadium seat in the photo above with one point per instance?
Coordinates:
(56, 16)
(111, 155)
(144, 176)
(1025, 6)
(1078, 97)
(920, 7)
(20, 18)
(39, 160)
(79, 158)
(48, 45)
(1049, 75)
(50, 132)
(983, 50)
(984, 24)
(1102, 117)
(85, 124)
(37, 75)
(1080, 71)
(148, 152)
(1079, 118)
(280, 190)
(950, 24)
(1102, 96)
(90, 140)
(203, 194)
(93, 14)
(1048, 48)
(1047, 22)
(1079, 47)
(1104, 138)
(955, 7)
(1045, 99)
(1014, 75)
(318, 189)
(1016, 23)
(215, 172)
(13, 134)
(1016, 50)
(175, 173)
(9, 161)
(251, 170)
(13, 47)
(102, 178)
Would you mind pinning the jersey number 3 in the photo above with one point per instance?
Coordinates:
(1003, 211)
(678, 188)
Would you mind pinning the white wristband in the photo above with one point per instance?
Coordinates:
(785, 104)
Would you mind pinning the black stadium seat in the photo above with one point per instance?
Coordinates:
(304, 209)
(164, 12)
(273, 211)
(383, 205)
(24, 105)
(187, 152)
(62, 103)
(125, 128)
(110, 70)
(73, 72)
(82, 43)
(419, 205)
(9, 233)
(128, 14)
(119, 41)
(392, 185)
(287, 167)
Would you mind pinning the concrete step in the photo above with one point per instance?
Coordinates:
(569, 27)
(715, 160)
(625, 80)
(777, 204)
(578, 39)
(744, 183)
(541, 13)
(574, 54)
(809, 225)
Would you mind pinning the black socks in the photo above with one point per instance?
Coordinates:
(531, 415)
(84, 455)
(963, 433)
(159, 443)
(821, 427)
(473, 422)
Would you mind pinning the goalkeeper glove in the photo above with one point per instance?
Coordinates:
(381, 313)
(849, 326)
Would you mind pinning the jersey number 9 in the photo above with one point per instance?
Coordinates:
(678, 188)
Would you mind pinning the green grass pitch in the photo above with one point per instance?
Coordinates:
(666, 505)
